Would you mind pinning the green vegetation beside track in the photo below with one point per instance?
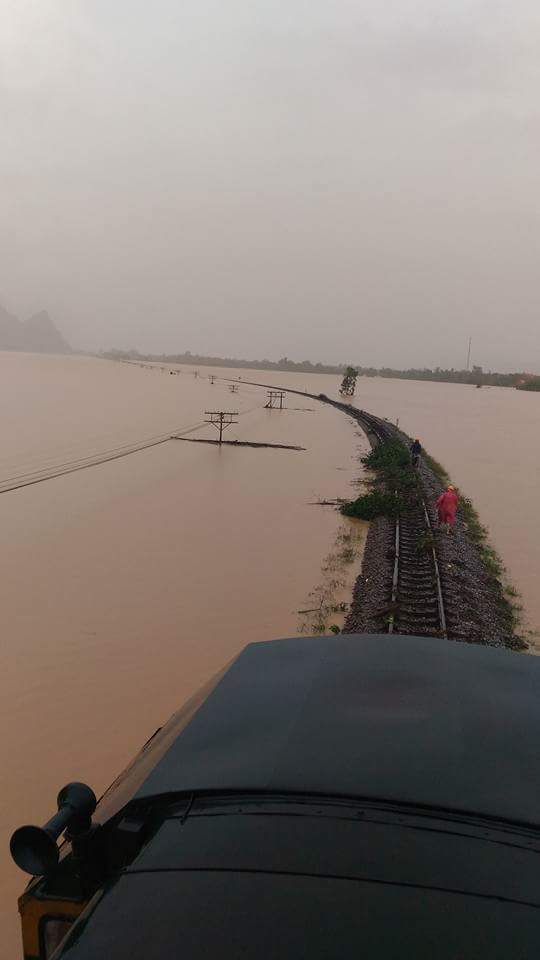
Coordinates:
(391, 461)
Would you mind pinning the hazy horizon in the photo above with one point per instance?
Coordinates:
(325, 180)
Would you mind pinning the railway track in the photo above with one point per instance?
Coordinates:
(416, 596)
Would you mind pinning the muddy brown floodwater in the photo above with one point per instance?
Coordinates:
(125, 586)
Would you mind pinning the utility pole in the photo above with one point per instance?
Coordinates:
(211, 379)
(275, 400)
(233, 388)
(221, 419)
(469, 354)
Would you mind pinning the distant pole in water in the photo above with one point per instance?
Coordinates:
(275, 400)
(469, 354)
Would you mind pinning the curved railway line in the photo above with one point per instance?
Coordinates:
(415, 602)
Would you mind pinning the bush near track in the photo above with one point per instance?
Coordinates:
(391, 458)
(374, 504)
(392, 461)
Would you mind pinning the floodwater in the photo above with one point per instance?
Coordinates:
(125, 586)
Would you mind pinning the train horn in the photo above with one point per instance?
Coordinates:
(34, 849)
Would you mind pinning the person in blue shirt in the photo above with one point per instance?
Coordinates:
(416, 450)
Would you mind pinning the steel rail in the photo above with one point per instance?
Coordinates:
(395, 579)
(440, 599)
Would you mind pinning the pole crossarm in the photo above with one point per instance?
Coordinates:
(275, 400)
(221, 419)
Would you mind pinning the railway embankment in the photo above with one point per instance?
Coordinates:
(415, 577)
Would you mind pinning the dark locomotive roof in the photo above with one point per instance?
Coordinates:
(205, 915)
(334, 797)
(405, 719)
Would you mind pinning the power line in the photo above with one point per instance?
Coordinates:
(40, 475)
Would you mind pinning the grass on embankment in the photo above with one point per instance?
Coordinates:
(493, 565)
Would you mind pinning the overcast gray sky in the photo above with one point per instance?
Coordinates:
(326, 179)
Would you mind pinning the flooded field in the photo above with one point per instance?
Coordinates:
(125, 586)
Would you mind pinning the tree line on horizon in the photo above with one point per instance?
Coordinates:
(476, 377)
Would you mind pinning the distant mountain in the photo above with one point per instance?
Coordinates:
(36, 335)
(43, 336)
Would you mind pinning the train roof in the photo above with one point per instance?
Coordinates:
(406, 719)
(329, 797)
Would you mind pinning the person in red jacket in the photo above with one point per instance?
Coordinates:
(446, 508)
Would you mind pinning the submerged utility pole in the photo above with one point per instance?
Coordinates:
(469, 354)
(221, 419)
(275, 400)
